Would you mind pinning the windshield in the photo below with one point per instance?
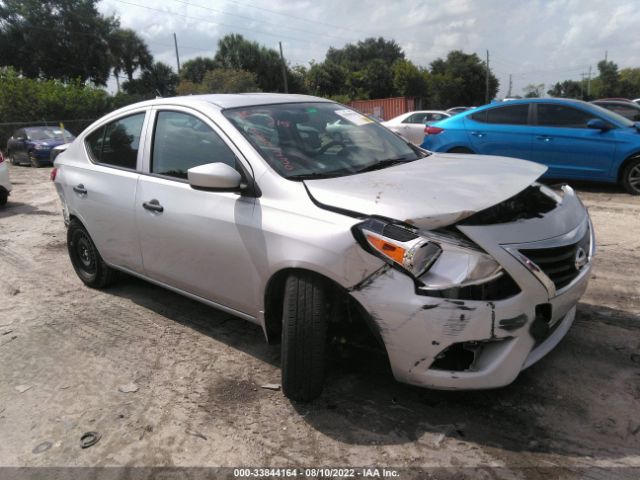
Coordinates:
(48, 133)
(314, 140)
(610, 116)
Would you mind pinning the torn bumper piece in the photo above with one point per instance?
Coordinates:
(466, 344)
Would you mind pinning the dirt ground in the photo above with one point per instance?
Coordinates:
(167, 381)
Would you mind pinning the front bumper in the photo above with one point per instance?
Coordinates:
(474, 344)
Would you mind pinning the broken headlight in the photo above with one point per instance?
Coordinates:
(397, 245)
(437, 261)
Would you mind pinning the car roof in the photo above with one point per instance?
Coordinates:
(232, 100)
(525, 101)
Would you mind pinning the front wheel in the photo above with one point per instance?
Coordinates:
(86, 259)
(304, 335)
(33, 160)
(12, 158)
(4, 195)
(631, 177)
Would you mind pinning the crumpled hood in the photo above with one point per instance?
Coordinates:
(429, 193)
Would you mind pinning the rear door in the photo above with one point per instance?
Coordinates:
(502, 130)
(195, 240)
(103, 191)
(570, 149)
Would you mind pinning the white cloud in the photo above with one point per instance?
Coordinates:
(537, 41)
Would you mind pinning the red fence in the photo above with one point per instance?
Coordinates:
(385, 108)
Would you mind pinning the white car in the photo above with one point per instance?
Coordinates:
(411, 124)
(465, 267)
(5, 183)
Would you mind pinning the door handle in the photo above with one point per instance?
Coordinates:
(80, 189)
(153, 205)
(478, 134)
(544, 138)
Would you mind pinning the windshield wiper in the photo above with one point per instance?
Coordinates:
(384, 164)
(312, 176)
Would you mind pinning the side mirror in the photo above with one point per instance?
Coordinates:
(597, 124)
(214, 176)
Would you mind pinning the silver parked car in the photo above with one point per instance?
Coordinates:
(466, 269)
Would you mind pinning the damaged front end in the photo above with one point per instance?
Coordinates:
(470, 305)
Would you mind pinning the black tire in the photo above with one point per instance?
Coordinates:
(12, 158)
(631, 177)
(304, 337)
(4, 195)
(85, 258)
(460, 150)
(35, 163)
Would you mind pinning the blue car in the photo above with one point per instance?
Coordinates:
(33, 145)
(575, 139)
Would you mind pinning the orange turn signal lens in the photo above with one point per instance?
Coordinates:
(394, 252)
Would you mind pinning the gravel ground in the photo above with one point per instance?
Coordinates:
(170, 382)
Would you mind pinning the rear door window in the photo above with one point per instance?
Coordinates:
(182, 141)
(552, 115)
(509, 115)
(116, 144)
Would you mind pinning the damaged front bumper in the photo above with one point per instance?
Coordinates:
(454, 343)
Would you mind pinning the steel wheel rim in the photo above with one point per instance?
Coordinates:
(84, 254)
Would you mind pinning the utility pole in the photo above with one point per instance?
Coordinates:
(582, 86)
(175, 42)
(589, 84)
(606, 55)
(486, 74)
(510, 85)
(284, 70)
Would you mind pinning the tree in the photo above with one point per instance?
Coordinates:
(159, 79)
(533, 90)
(221, 80)
(326, 79)
(460, 80)
(409, 80)
(129, 52)
(566, 89)
(608, 79)
(63, 39)
(630, 82)
(194, 70)
(236, 53)
(357, 57)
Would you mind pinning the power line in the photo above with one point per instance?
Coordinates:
(317, 22)
(262, 21)
(297, 39)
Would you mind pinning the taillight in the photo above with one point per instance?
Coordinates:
(1, 157)
(432, 130)
(54, 172)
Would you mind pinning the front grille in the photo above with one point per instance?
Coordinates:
(559, 263)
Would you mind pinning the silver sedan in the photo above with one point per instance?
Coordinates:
(464, 267)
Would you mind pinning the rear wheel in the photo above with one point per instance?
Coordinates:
(85, 258)
(459, 150)
(631, 177)
(304, 335)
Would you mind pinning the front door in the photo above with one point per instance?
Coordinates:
(570, 149)
(194, 240)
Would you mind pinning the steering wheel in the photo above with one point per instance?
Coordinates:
(329, 145)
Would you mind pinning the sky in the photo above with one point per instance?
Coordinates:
(534, 41)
